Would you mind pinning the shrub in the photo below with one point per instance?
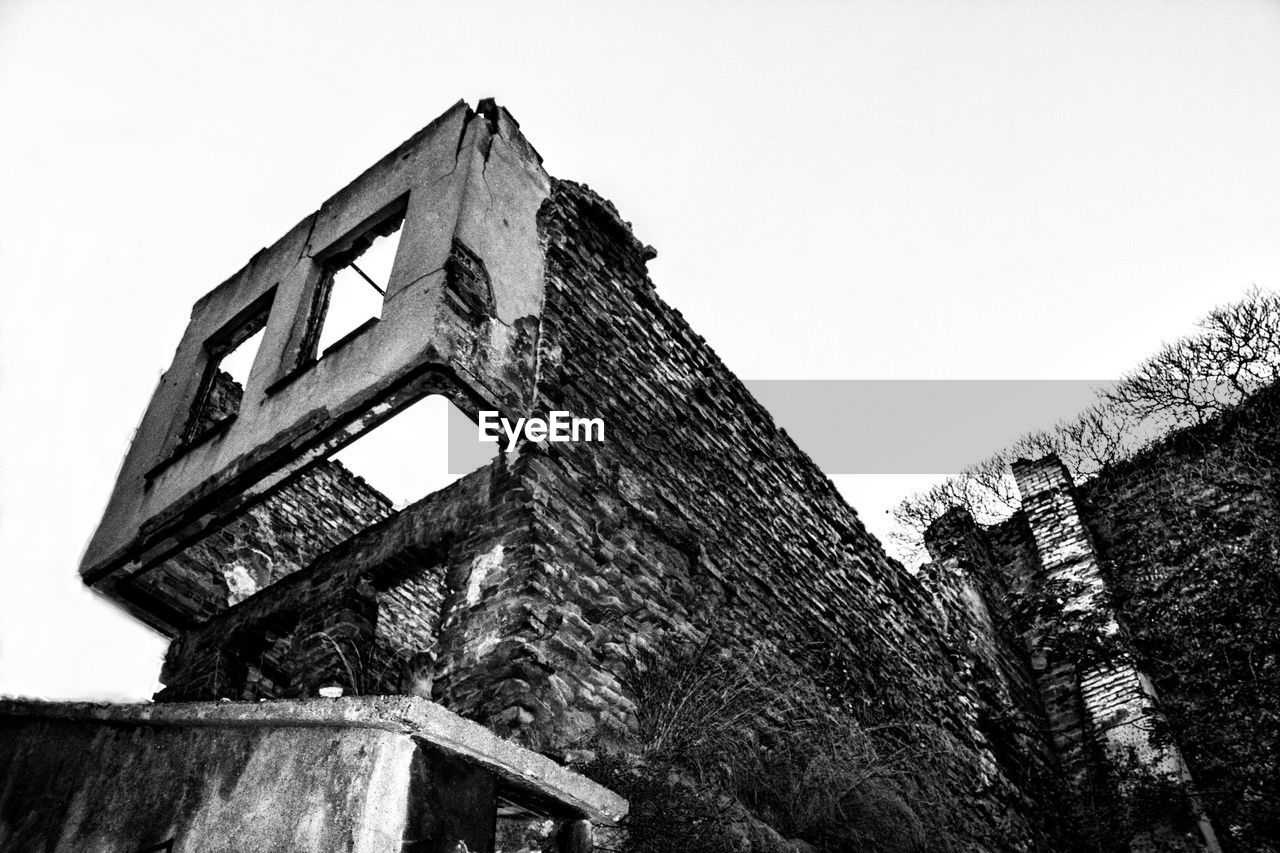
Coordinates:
(722, 742)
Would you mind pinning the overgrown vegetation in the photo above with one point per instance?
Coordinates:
(1234, 354)
(1191, 555)
(733, 754)
(1188, 528)
(1181, 462)
(1062, 618)
(362, 667)
(1123, 799)
(1193, 561)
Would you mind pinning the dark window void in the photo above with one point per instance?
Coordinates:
(353, 283)
(230, 359)
(258, 657)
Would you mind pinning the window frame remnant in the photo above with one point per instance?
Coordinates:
(341, 255)
(249, 322)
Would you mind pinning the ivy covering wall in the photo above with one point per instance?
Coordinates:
(1189, 533)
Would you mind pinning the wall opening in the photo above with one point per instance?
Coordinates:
(408, 456)
(331, 501)
(353, 284)
(258, 658)
(410, 594)
(229, 359)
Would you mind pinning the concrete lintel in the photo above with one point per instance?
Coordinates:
(409, 715)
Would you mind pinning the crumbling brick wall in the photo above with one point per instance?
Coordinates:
(1001, 692)
(1186, 539)
(221, 401)
(366, 616)
(1189, 535)
(698, 516)
(518, 596)
(319, 509)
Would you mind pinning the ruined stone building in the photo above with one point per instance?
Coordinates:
(1149, 600)
(514, 596)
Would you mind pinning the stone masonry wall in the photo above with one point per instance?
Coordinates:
(1189, 538)
(366, 616)
(1003, 698)
(1185, 536)
(410, 607)
(1099, 705)
(1069, 564)
(221, 401)
(698, 516)
(518, 596)
(319, 509)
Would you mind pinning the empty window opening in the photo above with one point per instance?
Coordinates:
(410, 600)
(354, 283)
(230, 360)
(258, 657)
(419, 451)
(424, 448)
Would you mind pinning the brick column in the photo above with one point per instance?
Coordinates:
(1104, 702)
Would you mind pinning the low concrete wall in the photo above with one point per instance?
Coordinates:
(80, 787)
(356, 774)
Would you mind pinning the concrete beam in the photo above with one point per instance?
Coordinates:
(419, 718)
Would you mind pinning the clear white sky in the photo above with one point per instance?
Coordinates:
(837, 190)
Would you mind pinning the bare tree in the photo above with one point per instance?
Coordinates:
(1234, 354)
(1196, 378)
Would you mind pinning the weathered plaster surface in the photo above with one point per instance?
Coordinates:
(470, 179)
(316, 775)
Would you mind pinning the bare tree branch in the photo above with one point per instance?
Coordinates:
(1234, 354)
